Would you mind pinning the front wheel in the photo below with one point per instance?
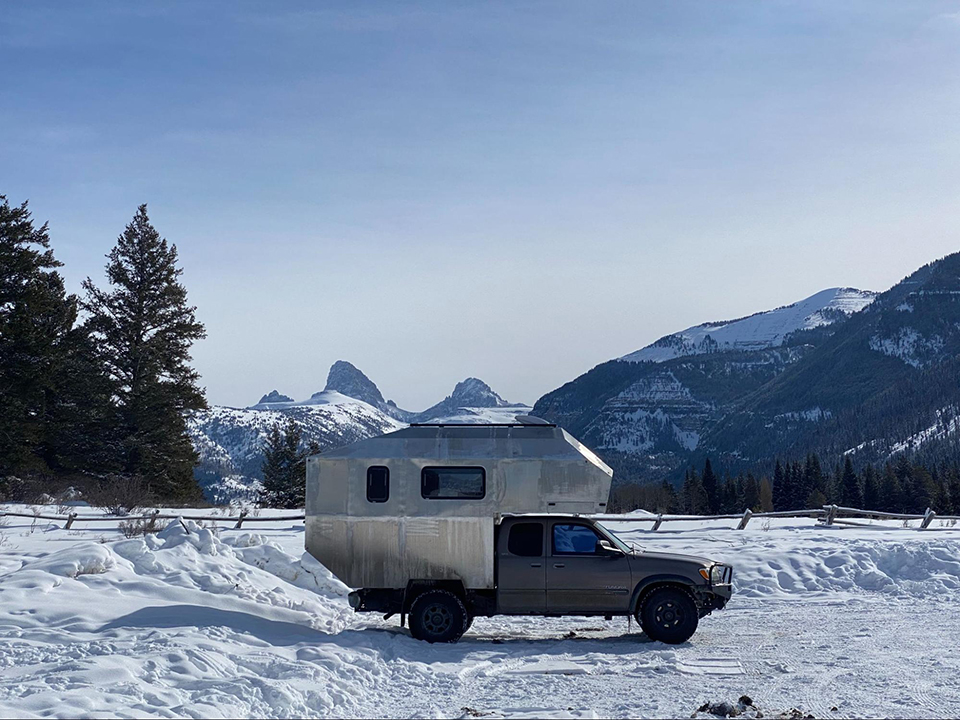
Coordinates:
(438, 616)
(668, 615)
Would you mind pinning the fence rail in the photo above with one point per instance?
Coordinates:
(71, 518)
(828, 515)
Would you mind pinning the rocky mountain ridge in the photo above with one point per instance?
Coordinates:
(842, 371)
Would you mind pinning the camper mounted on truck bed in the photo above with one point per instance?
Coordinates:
(443, 523)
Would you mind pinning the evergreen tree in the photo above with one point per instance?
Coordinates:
(891, 493)
(751, 493)
(710, 487)
(953, 490)
(851, 494)
(871, 489)
(766, 496)
(695, 501)
(36, 318)
(144, 329)
(284, 467)
(779, 495)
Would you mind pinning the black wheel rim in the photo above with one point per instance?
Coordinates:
(669, 614)
(437, 619)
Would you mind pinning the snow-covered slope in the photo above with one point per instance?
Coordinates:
(230, 440)
(349, 408)
(759, 331)
(215, 622)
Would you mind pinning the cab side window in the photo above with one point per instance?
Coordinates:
(526, 540)
(378, 484)
(574, 540)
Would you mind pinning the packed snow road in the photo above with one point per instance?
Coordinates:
(837, 623)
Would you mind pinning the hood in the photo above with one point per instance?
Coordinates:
(673, 557)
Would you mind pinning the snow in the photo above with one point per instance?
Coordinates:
(908, 345)
(483, 415)
(759, 331)
(216, 622)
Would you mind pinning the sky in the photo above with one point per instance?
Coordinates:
(515, 191)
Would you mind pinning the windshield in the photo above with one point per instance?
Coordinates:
(614, 539)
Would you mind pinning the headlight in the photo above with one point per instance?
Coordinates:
(720, 575)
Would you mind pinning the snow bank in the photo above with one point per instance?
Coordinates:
(920, 569)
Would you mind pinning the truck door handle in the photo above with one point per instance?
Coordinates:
(559, 565)
(536, 564)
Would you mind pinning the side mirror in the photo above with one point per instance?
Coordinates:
(605, 547)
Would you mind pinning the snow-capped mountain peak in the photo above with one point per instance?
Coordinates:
(759, 331)
(275, 397)
(348, 380)
(473, 392)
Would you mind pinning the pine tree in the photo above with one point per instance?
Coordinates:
(144, 329)
(751, 493)
(780, 497)
(871, 489)
(766, 496)
(710, 487)
(284, 467)
(36, 318)
(851, 494)
(891, 492)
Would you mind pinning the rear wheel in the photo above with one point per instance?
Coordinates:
(669, 615)
(438, 616)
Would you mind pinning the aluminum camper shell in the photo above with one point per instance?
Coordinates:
(526, 468)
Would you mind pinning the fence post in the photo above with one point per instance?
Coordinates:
(747, 514)
(928, 517)
(243, 514)
(656, 525)
(831, 514)
(70, 518)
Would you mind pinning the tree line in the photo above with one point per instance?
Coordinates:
(95, 388)
(902, 485)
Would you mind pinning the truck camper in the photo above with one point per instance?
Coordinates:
(447, 522)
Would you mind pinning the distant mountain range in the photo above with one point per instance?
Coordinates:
(349, 408)
(842, 372)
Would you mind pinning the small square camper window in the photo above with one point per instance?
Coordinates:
(453, 483)
(378, 484)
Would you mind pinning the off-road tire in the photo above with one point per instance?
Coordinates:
(438, 616)
(668, 615)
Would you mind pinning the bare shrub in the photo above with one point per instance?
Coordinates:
(765, 526)
(137, 527)
(117, 495)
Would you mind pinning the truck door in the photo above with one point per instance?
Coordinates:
(521, 579)
(581, 576)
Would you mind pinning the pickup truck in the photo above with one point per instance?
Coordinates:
(559, 565)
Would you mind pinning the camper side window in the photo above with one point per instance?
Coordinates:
(453, 483)
(378, 484)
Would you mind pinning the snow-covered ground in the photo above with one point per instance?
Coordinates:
(211, 622)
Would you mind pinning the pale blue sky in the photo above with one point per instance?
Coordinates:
(515, 191)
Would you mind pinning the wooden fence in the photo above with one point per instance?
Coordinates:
(73, 517)
(828, 515)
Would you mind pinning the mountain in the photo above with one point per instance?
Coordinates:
(273, 398)
(759, 331)
(647, 412)
(844, 371)
(351, 407)
(230, 440)
(886, 383)
(472, 401)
